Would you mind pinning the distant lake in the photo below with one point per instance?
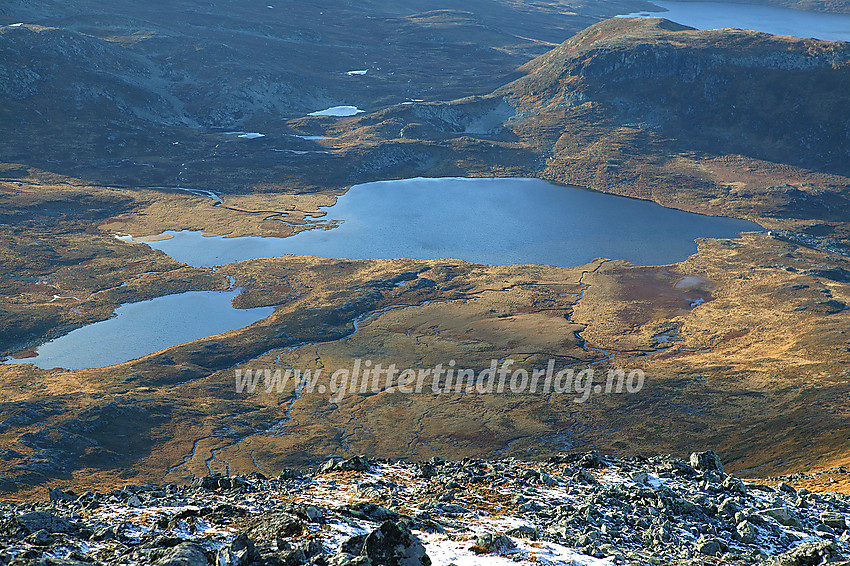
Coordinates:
(337, 111)
(778, 21)
(489, 221)
(142, 328)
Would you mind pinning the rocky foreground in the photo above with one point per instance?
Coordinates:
(575, 509)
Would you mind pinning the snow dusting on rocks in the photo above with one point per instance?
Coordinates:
(582, 509)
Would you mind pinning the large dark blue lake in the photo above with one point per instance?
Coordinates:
(491, 221)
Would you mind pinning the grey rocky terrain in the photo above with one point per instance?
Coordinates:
(572, 509)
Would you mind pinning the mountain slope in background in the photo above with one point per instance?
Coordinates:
(108, 84)
(775, 98)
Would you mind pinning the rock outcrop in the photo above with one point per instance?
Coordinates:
(571, 509)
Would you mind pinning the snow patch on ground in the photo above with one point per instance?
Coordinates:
(338, 111)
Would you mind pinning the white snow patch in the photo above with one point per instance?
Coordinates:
(296, 152)
(58, 297)
(339, 111)
(246, 135)
(334, 534)
(444, 551)
(616, 478)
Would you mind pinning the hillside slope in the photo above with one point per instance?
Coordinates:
(103, 90)
(775, 98)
